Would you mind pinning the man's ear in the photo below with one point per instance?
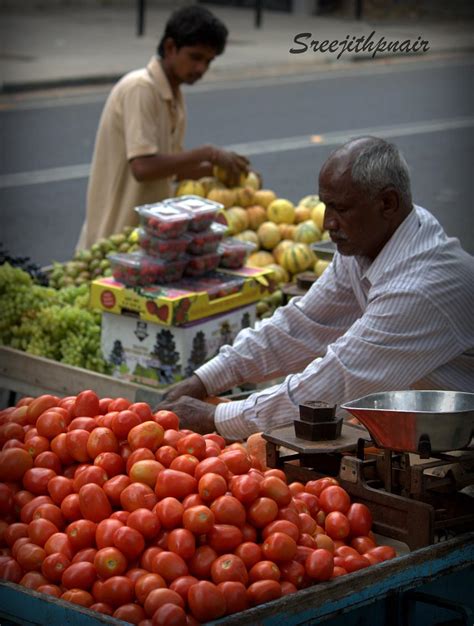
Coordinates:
(169, 46)
(390, 202)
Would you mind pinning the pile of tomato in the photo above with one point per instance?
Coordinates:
(108, 505)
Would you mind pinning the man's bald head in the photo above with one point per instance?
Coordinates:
(366, 188)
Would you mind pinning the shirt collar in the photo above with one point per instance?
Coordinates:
(159, 78)
(392, 249)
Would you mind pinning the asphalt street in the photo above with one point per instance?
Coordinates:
(287, 126)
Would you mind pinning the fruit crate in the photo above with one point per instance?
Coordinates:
(185, 301)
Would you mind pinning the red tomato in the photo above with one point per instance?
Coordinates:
(110, 562)
(181, 541)
(182, 584)
(147, 583)
(360, 519)
(229, 567)
(337, 525)
(171, 437)
(245, 488)
(249, 533)
(198, 519)
(101, 440)
(104, 405)
(40, 530)
(276, 489)
(146, 472)
(87, 404)
(316, 486)
(212, 464)
(59, 542)
(27, 511)
(193, 444)
(70, 507)
(91, 474)
(200, 563)
(15, 531)
(119, 404)
(79, 576)
(169, 565)
(59, 487)
(363, 544)
(33, 580)
(185, 463)
(50, 512)
(123, 422)
(263, 591)
(235, 595)
(279, 547)
(307, 524)
(206, 601)
(281, 526)
(319, 564)
(59, 446)
(250, 553)
(78, 596)
(166, 455)
(82, 423)
(384, 553)
(262, 511)
(146, 435)
(323, 541)
(140, 454)
(51, 590)
(293, 572)
(289, 514)
(129, 541)
(159, 597)
(228, 510)
(86, 554)
(287, 588)
(167, 419)
(144, 521)
(138, 496)
(146, 559)
(36, 480)
(334, 498)
(94, 504)
(130, 612)
(104, 534)
(117, 590)
(76, 444)
(176, 484)
(114, 486)
(39, 405)
(237, 461)
(142, 409)
(224, 538)
(30, 556)
(10, 570)
(50, 424)
(111, 462)
(101, 607)
(353, 563)
(81, 534)
(295, 488)
(264, 570)
(212, 486)
(170, 512)
(338, 571)
(49, 460)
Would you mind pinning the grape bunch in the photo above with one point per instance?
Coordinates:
(49, 323)
(25, 264)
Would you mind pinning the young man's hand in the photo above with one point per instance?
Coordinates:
(191, 386)
(234, 164)
(193, 414)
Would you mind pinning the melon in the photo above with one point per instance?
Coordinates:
(309, 201)
(287, 231)
(190, 187)
(257, 215)
(237, 220)
(280, 249)
(302, 213)
(244, 196)
(297, 258)
(260, 259)
(225, 197)
(307, 232)
(281, 275)
(268, 235)
(281, 211)
(317, 215)
(264, 197)
(248, 235)
(320, 266)
(209, 182)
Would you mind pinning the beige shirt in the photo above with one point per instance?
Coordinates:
(140, 118)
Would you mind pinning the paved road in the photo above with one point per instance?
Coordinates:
(288, 126)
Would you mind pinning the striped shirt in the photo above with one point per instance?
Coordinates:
(404, 320)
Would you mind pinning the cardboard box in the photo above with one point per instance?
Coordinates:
(189, 300)
(159, 355)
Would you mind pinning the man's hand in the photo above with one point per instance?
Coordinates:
(193, 414)
(234, 164)
(192, 386)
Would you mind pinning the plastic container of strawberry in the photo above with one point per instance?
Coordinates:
(166, 249)
(163, 220)
(235, 252)
(206, 241)
(199, 265)
(201, 210)
(137, 269)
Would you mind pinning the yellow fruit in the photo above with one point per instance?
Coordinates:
(307, 232)
(281, 275)
(257, 215)
(268, 235)
(133, 237)
(209, 182)
(225, 197)
(317, 215)
(281, 211)
(244, 196)
(302, 213)
(190, 187)
(222, 175)
(297, 258)
(287, 231)
(325, 236)
(264, 197)
(260, 259)
(248, 235)
(280, 249)
(252, 181)
(309, 201)
(237, 219)
(320, 266)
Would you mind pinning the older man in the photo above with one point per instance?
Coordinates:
(394, 309)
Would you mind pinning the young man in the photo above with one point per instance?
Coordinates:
(393, 311)
(139, 144)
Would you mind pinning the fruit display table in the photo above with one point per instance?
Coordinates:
(32, 375)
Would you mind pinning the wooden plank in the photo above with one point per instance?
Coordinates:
(34, 375)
